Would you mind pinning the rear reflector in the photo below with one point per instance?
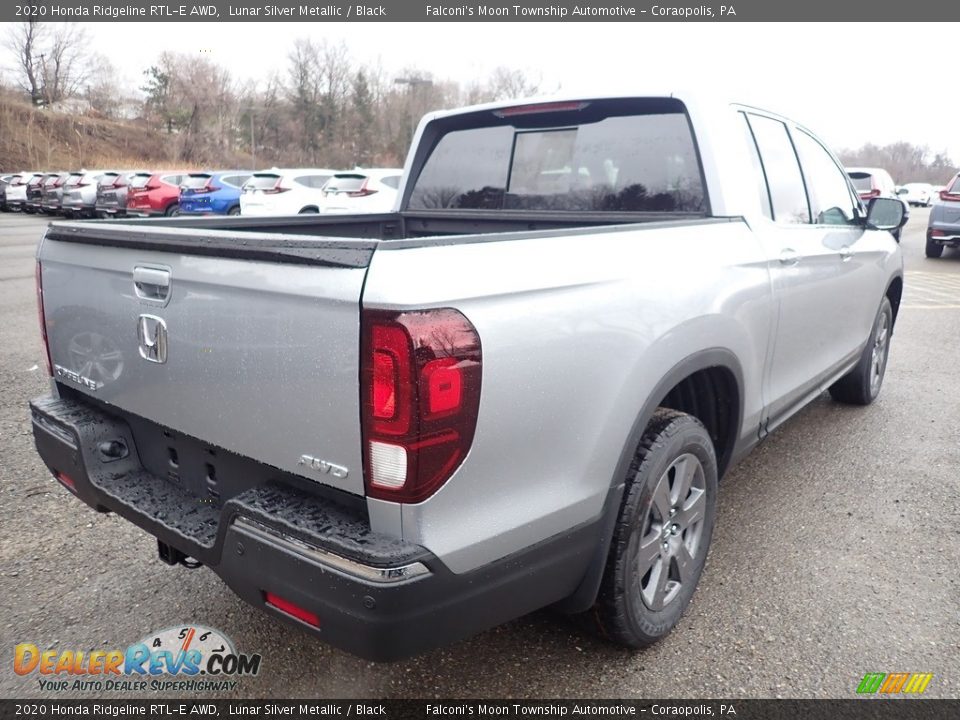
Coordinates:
(67, 482)
(285, 606)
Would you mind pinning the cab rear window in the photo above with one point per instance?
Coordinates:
(862, 182)
(193, 182)
(606, 156)
(262, 182)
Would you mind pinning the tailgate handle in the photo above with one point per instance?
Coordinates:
(151, 283)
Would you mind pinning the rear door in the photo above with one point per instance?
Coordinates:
(255, 350)
(810, 261)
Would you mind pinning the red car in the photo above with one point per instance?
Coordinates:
(153, 194)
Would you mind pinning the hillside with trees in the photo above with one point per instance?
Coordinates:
(62, 105)
(322, 109)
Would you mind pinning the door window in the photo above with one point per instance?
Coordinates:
(780, 166)
(830, 199)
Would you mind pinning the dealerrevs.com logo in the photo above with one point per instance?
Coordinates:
(184, 658)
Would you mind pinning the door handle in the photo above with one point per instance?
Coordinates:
(789, 256)
(151, 283)
(846, 253)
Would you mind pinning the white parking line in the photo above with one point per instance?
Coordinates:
(931, 291)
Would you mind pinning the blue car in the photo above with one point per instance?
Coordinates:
(212, 193)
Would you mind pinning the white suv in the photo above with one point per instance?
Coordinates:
(362, 191)
(284, 191)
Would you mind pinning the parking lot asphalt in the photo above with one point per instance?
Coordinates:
(836, 552)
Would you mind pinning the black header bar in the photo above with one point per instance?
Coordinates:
(473, 11)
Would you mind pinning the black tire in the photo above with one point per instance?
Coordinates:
(655, 526)
(933, 249)
(861, 386)
(173, 210)
(309, 211)
(235, 210)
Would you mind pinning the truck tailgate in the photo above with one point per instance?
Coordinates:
(249, 342)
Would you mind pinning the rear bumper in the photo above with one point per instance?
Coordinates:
(943, 233)
(373, 595)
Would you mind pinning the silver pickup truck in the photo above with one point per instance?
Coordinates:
(518, 389)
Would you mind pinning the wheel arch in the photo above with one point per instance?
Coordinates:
(716, 371)
(894, 294)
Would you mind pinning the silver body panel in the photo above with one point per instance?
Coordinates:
(578, 328)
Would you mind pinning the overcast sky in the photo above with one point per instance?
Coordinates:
(850, 83)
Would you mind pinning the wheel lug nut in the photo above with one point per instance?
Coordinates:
(673, 511)
(666, 545)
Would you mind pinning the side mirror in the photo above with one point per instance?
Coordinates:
(886, 214)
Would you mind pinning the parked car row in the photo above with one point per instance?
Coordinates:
(142, 193)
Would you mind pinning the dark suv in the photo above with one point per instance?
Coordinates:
(944, 226)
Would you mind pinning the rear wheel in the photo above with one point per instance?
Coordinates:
(173, 210)
(862, 384)
(309, 211)
(663, 532)
(235, 210)
(933, 249)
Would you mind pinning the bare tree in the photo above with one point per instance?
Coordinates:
(51, 59)
(903, 160)
(23, 40)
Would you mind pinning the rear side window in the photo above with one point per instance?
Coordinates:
(758, 178)
(108, 178)
(830, 200)
(603, 157)
(173, 179)
(392, 181)
(954, 187)
(139, 180)
(787, 193)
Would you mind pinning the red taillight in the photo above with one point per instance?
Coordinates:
(540, 108)
(949, 196)
(43, 320)
(420, 396)
(276, 190)
(291, 609)
(870, 195)
(937, 233)
(364, 191)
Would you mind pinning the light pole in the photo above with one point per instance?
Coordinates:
(253, 141)
(413, 82)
